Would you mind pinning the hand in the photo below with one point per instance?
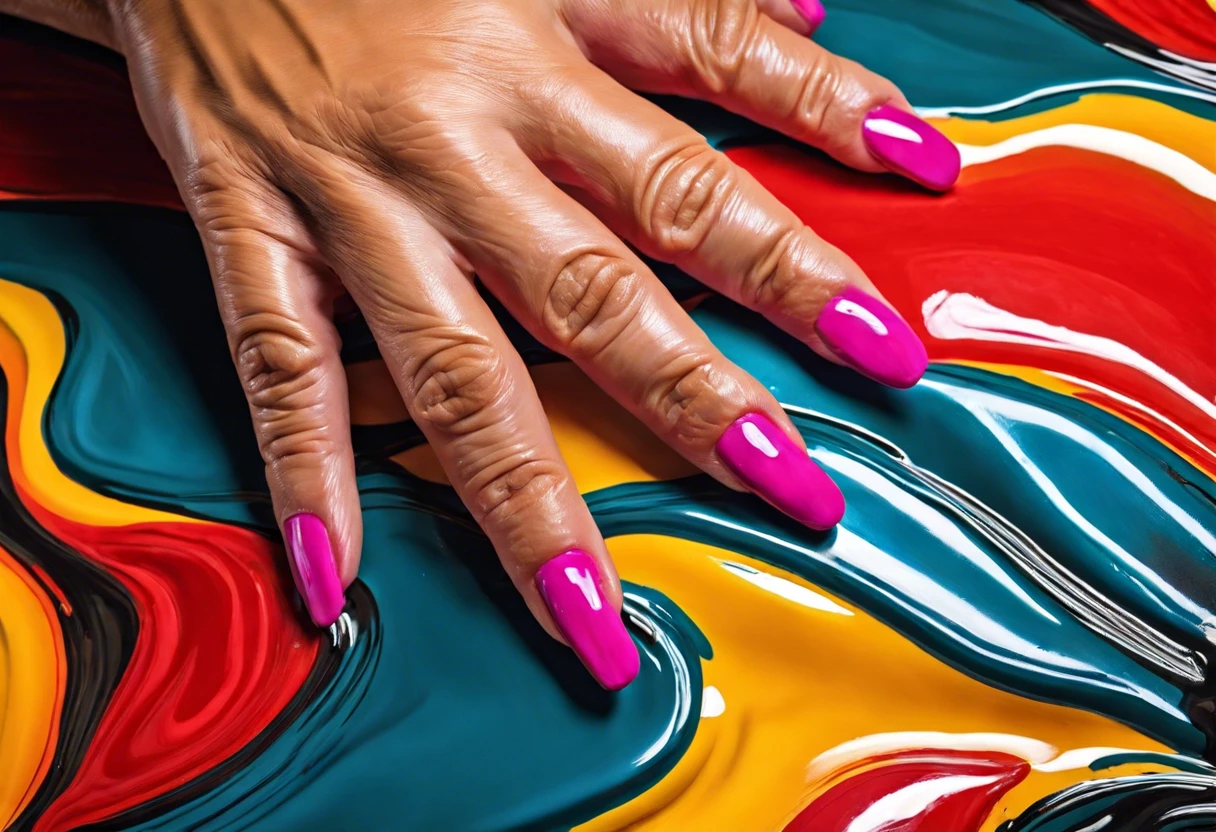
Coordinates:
(394, 148)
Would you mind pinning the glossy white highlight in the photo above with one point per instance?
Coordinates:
(1136, 149)
(856, 310)
(1194, 73)
(894, 129)
(1131, 403)
(712, 703)
(583, 580)
(1028, 749)
(788, 590)
(915, 799)
(957, 316)
(758, 440)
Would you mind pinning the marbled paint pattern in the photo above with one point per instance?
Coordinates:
(1011, 629)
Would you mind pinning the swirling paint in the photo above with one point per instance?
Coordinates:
(1012, 628)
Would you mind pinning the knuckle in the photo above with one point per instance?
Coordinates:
(722, 35)
(774, 274)
(591, 302)
(282, 372)
(818, 99)
(461, 386)
(279, 365)
(689, 402)
(517, 486)
(834, 97)
(684, 195)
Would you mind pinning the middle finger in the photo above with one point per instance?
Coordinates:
(585, 294)
(660, 185)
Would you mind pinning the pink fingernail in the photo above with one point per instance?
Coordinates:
(570, 585)
(313, 567)
(770, 464)
(812, 12)
(867, 335)
(911, 147)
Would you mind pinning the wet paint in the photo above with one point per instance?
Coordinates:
(1015, 614)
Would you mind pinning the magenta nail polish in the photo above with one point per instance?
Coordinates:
(911, 147)
(812, 12)
(771, 465)
(313, 567)
(867, 335)
(570, 585)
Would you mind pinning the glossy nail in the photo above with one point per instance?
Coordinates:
(911, 147)
(570, 585)
(866, 334)
(771, 465)
(812, 12)
(313, 567)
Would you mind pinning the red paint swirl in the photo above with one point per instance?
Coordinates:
(929, 790)
(1185, 27)
(1092, 244)
(220, 652)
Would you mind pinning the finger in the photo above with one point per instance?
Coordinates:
(470, 393)
(659, 184)
(583, 293)
(727, 52)
(276, 308)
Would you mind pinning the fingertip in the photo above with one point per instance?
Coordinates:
(869, 336)
(906, 144)
(310, 555)
(572, 588)
(759, 453)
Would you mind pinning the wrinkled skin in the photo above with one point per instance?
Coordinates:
(393, 149)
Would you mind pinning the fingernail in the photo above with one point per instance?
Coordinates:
(867, 335)
(313, 567)
(570, 585)
(911, 147)
(812, 12)
(771, 465)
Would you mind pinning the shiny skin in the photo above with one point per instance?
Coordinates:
(393, 150)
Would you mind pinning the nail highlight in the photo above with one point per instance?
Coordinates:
(771, 465)
(911, 147)
(811, 11)
(570, 586)
(313, 567)
(867, 335)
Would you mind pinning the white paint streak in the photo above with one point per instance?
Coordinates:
(1029, 749)
(1136, 149)
(1099, 85)
(957, 316)
(914, 799)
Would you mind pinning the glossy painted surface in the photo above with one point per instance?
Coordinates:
(1011, 628)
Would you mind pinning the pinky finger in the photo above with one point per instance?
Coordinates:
(275, 308)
